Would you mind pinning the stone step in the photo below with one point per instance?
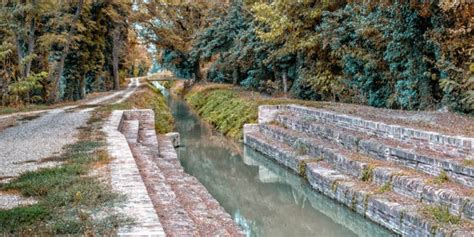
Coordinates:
(297, 147)
(132, 127)
(390, 209)
(183, 204)
(408, 155)
(171, 212)
(455, 145)
(210, 217)
(402, 215)
(452, 145)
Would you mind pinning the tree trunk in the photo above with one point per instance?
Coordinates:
(235, 76)
(19, 49)
(31, 45)
(59, 67)
(285, 82)
(197, 71)
(115, 57)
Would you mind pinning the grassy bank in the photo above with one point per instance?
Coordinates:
(223, 108)
(228, 108)
(74, 197)
(148, 97)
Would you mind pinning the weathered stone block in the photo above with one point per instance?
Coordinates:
(175, 139)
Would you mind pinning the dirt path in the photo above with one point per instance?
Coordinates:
(42, 134)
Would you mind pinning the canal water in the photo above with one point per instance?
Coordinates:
(262, 197)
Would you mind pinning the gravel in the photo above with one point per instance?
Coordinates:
(23, 145)
(28, 142)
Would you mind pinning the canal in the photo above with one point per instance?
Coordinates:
(262, 197)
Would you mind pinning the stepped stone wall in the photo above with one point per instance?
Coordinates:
(385, 172)
(126, 179)
(454, 145)
(175, 201)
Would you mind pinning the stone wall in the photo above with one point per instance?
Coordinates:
(126, 179)
(388, 173)
(183, 205)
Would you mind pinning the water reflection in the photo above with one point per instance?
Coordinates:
(263, 197)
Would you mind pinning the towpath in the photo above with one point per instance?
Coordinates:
(42, 134)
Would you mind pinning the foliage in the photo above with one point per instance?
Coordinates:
(37, 36)
(401, 55)
(170, 26)
(148, 97)
(229, 108)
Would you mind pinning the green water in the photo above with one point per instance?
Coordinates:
(263, 197)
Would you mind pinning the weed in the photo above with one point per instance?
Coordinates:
(469, 163)
(442, 178)
(441, 215)
(92, 192)
(40, 183)
(10, 219)
(83, 146)
(387, 187)
(367, 173)
(66, 195)
(224, 110)
(334, 185)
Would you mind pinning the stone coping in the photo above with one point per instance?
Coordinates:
(126, 179)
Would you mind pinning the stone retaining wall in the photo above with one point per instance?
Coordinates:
(183, 204)
(353, 161)
(126, 179)
(453, 145)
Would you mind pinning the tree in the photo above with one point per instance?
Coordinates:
(56, 70)
(171, 27)
(54, 50)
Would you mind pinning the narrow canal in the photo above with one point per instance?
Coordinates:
(263, 197)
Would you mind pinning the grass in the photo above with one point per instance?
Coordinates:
(469, 163)
(70, 200)
(367, 173)
(387, 187)
(302, 165)
(441, 178)
(224, 109)
(147, 97)
(441, 215)
(10, 219)
(228, 108)
(24, 108)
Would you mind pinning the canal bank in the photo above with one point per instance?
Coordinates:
(261, 196)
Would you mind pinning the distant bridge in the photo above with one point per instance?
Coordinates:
(162, 76)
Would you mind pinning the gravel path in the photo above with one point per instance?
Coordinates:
(26, 143)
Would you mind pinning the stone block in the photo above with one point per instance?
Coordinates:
(175, 139)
